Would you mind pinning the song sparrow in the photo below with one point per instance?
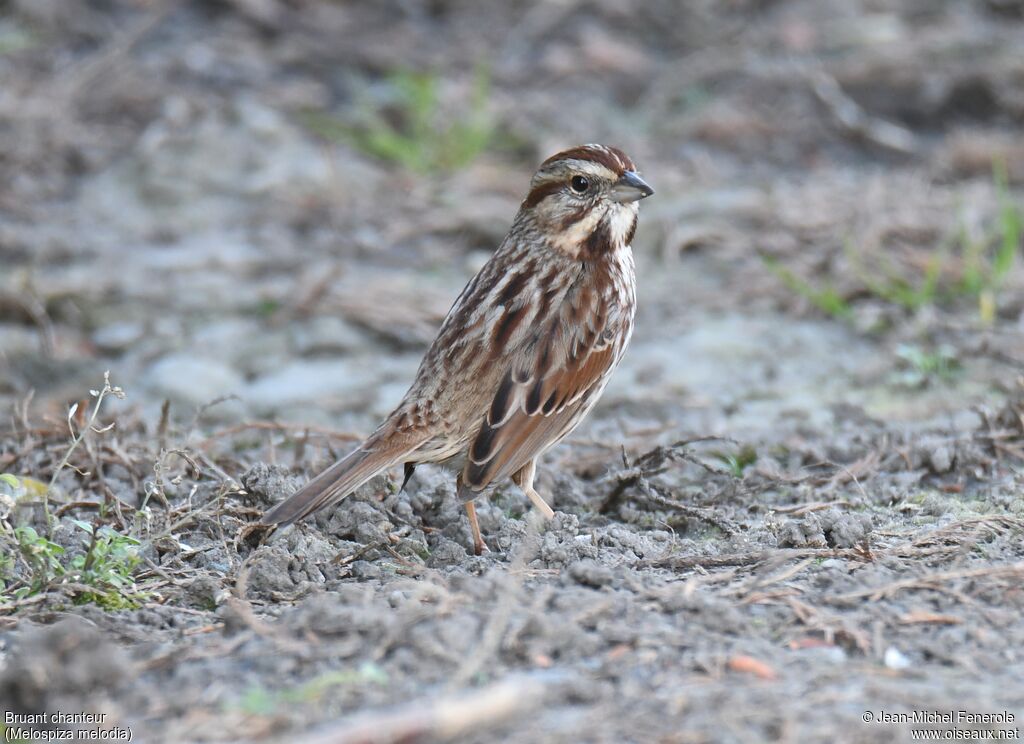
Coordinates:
(527, 347)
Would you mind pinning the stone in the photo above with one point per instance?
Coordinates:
(192, 380)
(326, 335)
(308, 381)
(118, 336)
(590, 573)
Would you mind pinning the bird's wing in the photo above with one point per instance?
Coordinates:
(549, 385)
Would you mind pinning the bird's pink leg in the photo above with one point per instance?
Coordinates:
(524, 479)
(474, 527)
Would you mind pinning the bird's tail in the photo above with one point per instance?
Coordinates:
(335, 483)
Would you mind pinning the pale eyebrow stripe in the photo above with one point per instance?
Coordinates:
(587, 167)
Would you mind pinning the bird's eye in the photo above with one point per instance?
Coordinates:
(579, 184)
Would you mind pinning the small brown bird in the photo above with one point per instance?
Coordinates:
(526, 349)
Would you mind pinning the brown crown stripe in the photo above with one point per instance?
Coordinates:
(611, 158)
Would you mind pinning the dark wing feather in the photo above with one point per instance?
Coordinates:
(547, 389)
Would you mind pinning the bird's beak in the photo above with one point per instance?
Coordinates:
(630, 188)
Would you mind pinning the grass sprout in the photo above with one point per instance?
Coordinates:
(411, 128)
(965, 265)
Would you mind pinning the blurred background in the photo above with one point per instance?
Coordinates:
(255, 214)
(270, 204)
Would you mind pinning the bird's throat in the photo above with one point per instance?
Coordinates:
(597, 233)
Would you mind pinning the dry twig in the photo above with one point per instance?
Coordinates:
(938, 581)
(437, 720)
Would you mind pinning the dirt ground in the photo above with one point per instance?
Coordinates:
(797, 511)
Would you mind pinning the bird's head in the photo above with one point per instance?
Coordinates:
(584, 200)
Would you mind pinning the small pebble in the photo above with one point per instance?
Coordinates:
(896, 659)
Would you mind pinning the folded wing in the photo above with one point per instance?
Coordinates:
(550, 384)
